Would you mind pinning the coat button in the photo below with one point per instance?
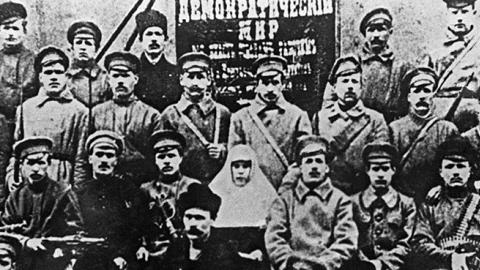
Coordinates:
(378, 217)
(378, 231)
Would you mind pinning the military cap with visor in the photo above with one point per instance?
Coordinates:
(377, 151)
(166, 140)
(11, 11)
(32, 145)
(194, 62)
(123, 62)
(270, 65)
(322, 147)
(105, 139)
(418, 77)
(376, 16)
(459, 3)
(84, 27)
(151, 18)
(49, 56)
(344, 66)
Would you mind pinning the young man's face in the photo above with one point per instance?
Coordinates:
(421, 98)
(53, 78)
(198, 223)
(103, 161)
(380, 173)
(461, 20)
(122, 83)
(455, 173)
(314, 168)
(12, 34)
(377, 36)
(241, 172)
(83, 47)
(34, 167)
(168, 162)
(270, 87)
(195, 84)
(153, 40)
(348, 88)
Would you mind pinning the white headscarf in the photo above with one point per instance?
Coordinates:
(245, 206)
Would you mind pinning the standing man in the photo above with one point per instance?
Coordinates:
(457, 58)
(270, 125)
(163, 194)
(310, 226)
(202, 121)
(129, 117)
(349, 125)
(382, 70)
(49, 207)
(87, 78)
(110, 205)
(158, 79)
(384, 217)
(418, 135)
(444, 228)
(54, 113)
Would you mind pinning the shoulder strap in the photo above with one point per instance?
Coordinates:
(345, 138)
(269, 138)
(196, 131)
(420, 137)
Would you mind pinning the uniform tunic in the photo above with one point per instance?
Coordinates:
(196, 161)
(79, 80)
(315, 225)
(64, 120)
(418, 175)
(436, 222)
(385, 224)
(285, 122)
(135, 121)
(158, 84)
(348, 132)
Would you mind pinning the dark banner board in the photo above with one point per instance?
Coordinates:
(236, 32)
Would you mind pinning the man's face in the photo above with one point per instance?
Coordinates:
(122, 83)
(168, 162)
(6, 262)
(455, 173)
(84, 47)
(348, 88)
(421, 98)
(34, 167)
(153, 40)
(195, 84)
(241, 172)
(461, 20)
(377, 36)
(380, 173)
(270, 87)
(198, 223)
(12, 34)
(314, 168)
(103, 161)
(53, 78)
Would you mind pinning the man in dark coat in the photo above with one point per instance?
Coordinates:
(48, 207)
(158, 80)
(110, 205)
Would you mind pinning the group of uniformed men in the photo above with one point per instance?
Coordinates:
(380, 178)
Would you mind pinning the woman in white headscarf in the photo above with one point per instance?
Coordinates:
(245, 191)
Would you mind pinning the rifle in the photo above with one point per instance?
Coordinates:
(134, 34)
(74, 240)
(451, 111)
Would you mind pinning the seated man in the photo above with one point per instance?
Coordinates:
(447, 230)
(384, 216)
(311, 225)
(201, 249)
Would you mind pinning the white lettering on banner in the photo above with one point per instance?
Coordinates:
(261, 29)
(194, 10)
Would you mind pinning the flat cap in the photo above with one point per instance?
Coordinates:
(49, 56)
(380, 150)
(105, 139)
(199, 196)
(122, 61)
(194, 62)
(11, 11)
(459, 3)
(151, 18)
(344, 66)
(322, 144)
(376, 16)
(166, 140)
(32, 145)
(84, 27)
(269, 65)
(10, 246)
(456, 148)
